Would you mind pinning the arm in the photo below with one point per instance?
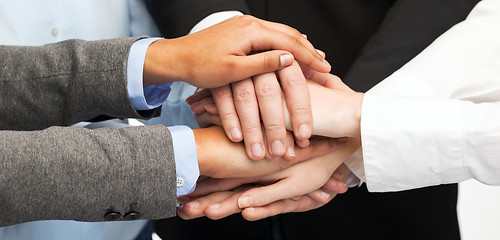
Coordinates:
(64, 83)
(82, 174)
(460, 65)
(86, 175)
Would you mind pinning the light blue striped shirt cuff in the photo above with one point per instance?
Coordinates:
(186, 159)
(143, 98)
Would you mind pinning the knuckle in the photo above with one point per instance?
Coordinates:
(229, 116)
(273, 126)
(266, 90)
(244, 95)
(229, 67)
(222, 93)
(295, 80)
(301, 110)
(296, 41)
(269, 61)
(252, 129)
(247, 18)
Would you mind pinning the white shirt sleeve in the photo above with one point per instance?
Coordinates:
(213, 19)
(436, 120)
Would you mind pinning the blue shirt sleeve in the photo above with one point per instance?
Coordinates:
(186, 159)
(143, 98)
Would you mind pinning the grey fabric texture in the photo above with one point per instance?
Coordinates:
(64, 83)
(69, 172)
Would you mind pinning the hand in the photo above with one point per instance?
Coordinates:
(223, 203)
(336, 109)
(242, 104)
(218, 157)
(261, 96)
(222, 53)
(330, 93)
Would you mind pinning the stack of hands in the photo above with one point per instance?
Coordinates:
(273, 160)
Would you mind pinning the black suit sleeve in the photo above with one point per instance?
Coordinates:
(175, 18)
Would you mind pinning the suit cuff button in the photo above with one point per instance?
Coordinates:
(112, 216)
(132, 216)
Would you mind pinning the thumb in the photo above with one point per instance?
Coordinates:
(263, 62)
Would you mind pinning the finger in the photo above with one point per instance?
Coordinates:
(230, 122)
(335, 186)
(195, 208)
(283, 189)
(298, 100)
(290, 146)
(295, 34)
(247, 107)
(286, 38)
(322, 196)
(302, 204)
(263, 62)
(212, 109)
(317, 147)
(323, 54)
(271, 109)
(197, 96)
(217, 185)
(227, 206)
(301, 143)
(201, 106)
(206, 119)
(325, 79)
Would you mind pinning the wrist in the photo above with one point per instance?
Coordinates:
(200, 136)
(356, 114)
(162, 63)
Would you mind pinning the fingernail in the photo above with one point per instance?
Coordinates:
(304, 35)
(215, 206)
(250, 209)
(325, 195)
(244, 201)
(182, 200)
(291, 152)
(277, 148)
(304, 132)
(257, 150)
(326, 63)
(285, 60)
(194, 204)
(321, 53)
(341, 184)
(302, 143)
(235, 133)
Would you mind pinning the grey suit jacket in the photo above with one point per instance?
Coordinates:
(74, 173)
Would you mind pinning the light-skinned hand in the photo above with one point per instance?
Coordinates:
(223, 203)
(218, 157)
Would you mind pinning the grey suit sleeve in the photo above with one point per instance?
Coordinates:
(65, 83)
(81, 174)
(75, 173)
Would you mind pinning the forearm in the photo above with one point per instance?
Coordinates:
(336, 113)
(64, 83)
(81, 174)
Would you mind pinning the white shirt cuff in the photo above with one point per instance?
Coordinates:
(405, 138)
(143, 98)
(186, 159)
